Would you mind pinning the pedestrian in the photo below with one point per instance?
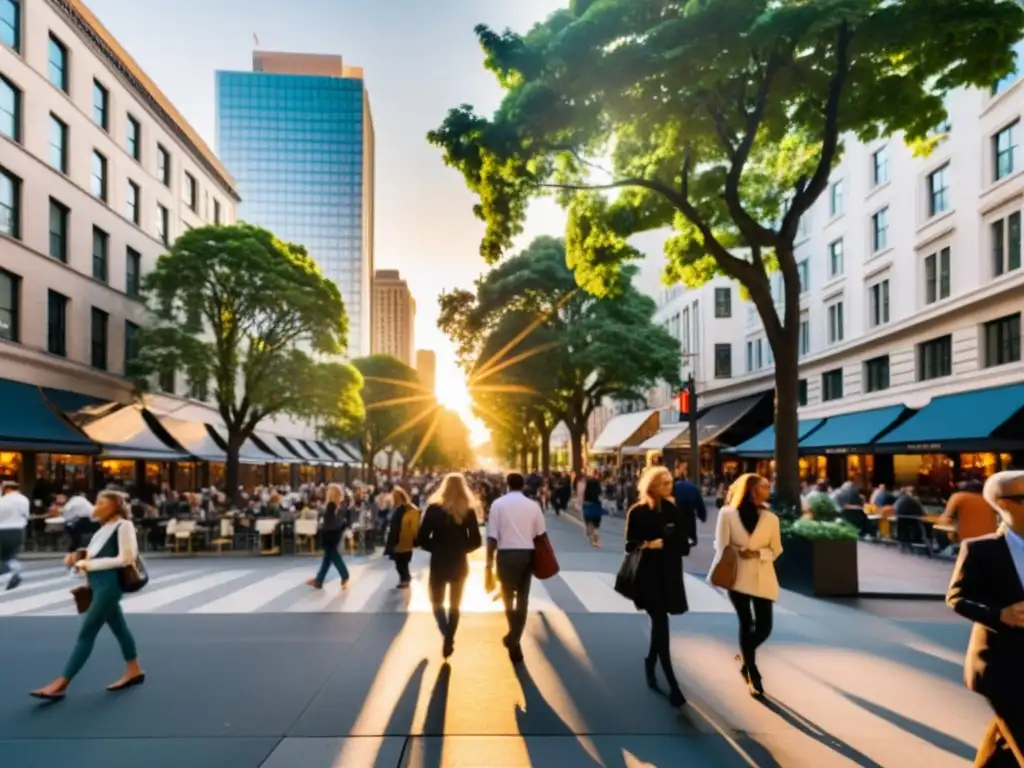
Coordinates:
(14, 514)
(514, 524)
(331, 531)
(402, 533)
(748, 527)
(988, 589)
(592, 509)
(113, 548)
(662, 533)
(449, 531)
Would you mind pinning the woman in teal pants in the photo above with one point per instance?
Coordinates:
(113, 547)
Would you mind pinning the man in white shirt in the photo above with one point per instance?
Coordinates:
(14, 512)
(513, 524)
(78, 521)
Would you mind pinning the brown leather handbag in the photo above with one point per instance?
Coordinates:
(726, 569)
(545, 564)
(83, 598)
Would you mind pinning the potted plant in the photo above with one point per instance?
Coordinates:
(819, 557)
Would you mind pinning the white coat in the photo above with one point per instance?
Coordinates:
(754, 576)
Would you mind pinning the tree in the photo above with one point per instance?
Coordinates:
(721, 118)
(448, 448)
(395, 401)
(236, 306)
(559, 351)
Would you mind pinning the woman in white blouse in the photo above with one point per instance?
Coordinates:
(113, 547)
(747, 525)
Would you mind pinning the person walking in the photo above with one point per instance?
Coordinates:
(402, 533)
(988, 589)
(662, 533)
(751, 530)
(331, 532)
(513, 526)
(14, 514)
(449, 531)
(113, 548)
(592, 509)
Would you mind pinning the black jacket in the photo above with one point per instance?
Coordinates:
(984, 582)
(659, 579)
(449, 543)
(334, 523)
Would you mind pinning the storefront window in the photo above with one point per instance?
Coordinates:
(217, 474)
(978, 466)
(814, 469)
(860, 470)
(63, 470)
(10, 466)
(186, 476)
(116, 471)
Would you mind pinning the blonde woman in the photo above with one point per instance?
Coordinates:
(402, 533)
(662, 533)
(112, 548)
(331, 531)
(450, 530)
(746, 524)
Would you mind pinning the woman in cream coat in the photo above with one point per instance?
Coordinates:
(746, 524)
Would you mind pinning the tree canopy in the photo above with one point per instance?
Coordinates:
(721, 119)
(538, 350)
(235, 306)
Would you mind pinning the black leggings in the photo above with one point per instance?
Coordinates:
(755, 615)
(448, 622)
(660, 647)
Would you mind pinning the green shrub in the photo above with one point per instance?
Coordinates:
(831, 530)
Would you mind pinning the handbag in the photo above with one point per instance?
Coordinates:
(82, 597)
(726, 569)
(133, 577)
(625, 579)
(545, 564)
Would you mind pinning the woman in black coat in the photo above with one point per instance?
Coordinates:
(662, 533)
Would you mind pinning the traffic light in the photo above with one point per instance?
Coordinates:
(684, 402)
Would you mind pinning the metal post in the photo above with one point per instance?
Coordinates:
(694, 473)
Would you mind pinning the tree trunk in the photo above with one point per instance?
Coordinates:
(576, 434)
(534, 458)
(545, 450)
(231, 467)
(786, 347)
(524, 457)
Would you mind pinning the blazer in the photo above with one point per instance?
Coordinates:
(984, 582)
(403, 530)
(658, 585)
(449, 543)
(754, 577)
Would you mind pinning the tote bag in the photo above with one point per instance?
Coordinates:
(133, 577)
(725, 571)
(545, 564)
(625, 580)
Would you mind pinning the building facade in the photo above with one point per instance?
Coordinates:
(394, 317)
(426, 366)
(297, 133)
(98, 174)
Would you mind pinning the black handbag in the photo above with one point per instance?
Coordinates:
(133, 577)
(625, 579)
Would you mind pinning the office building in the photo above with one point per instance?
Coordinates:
(297, 134)
(426, 366)
(394, 317)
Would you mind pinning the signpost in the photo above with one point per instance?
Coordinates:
(688, 410)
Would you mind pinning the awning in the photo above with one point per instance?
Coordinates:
(29, 423)
(124, 434)
(74, 402)
(351, 451)
(982, 420)
(309, 447)
(193, 437)
(620, 430)
(249, 453)
(719, 419)
(763, 443)
(272, 445)
(293, 454)
(664, 437)
(324, 449)
(851, 432)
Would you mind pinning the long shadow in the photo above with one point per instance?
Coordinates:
(537, 718)
(402, 720)
(810, 729)
(432, 746)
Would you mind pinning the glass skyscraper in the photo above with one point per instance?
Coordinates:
(297, 135)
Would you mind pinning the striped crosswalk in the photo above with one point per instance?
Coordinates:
(241, 587)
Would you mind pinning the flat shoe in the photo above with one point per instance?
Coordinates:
(129, 683)
(48, 696)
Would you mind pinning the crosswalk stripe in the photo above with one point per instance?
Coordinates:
(320, 600)
(31, 586)
(360, 592)
(151, 601)
(34, 603)
(596, 594)
(703, 598)
(251, 598)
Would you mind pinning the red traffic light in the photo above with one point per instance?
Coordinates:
(684, 402)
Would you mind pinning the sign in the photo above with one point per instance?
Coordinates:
(684, 402)
(832, 451)
(924, 447)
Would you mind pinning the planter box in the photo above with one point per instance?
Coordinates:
(819, 567)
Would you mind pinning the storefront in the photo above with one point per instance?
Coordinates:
(756, 454)
(627, 430)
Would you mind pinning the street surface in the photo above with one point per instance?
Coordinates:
(247, 667)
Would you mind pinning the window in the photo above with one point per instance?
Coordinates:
(59, 215)
(1002, 338)
(58, 144)
(100, 321)
(132, 136)
(10, 23)
(878, 311)
(216, 211)
(163, 165)
(132, 203)
(163, 224)
(198, 389)
(58, 69)
(936, 277)
(1005, 235)
(132, 272)
(100, 105)
(99, 176)
(835, 258)
(10, 204)
(835, 199)
(805, 337)
(723, 302)
(723, 361)
(832, 385)
(880, 167)
(803, 269)
(835, 323)
(1004, 151)
(10, 310)
(10, 109)
(100, 254)
(165, 380)
(938, 191)
(57, 324)
(880, 230)
(131, 344)
(876, 374)
(801, 392)
(935, 358)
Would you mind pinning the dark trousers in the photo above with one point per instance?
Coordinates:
(331, 557)
(105, 610)
(447, 622)
(755, 616)
(1002, 746)
(515, 572)
(660, 648)
(402, 560)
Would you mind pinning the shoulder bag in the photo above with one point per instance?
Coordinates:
(726, 569)
(545, 564)
(625, 579)
(133, 577)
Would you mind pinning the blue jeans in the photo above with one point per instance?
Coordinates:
(331, 557)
